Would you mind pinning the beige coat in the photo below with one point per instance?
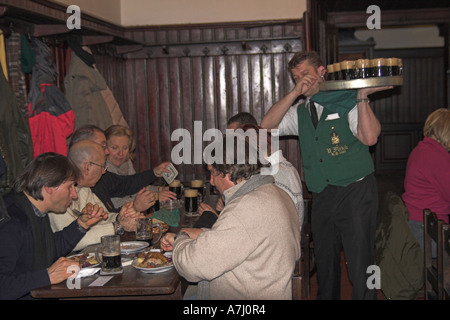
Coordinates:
(250, 251)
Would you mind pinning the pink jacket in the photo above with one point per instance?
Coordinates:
(427, 181)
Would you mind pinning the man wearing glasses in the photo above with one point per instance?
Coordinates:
(113, 185)
(90, 159)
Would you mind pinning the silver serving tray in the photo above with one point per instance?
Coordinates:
(361, 83)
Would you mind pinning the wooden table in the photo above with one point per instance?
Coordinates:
(132, 283)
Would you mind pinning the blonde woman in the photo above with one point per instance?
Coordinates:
(427, 179)
(121, 145)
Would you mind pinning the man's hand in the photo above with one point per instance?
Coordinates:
(144, 199)
(58, 272)
(161, 168)
(205, 207)
(91, 214)
(127, 216)
(165, 195)
(192, 232)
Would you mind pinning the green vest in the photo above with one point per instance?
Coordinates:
(331, 154)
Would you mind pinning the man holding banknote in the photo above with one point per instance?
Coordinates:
(113, 185)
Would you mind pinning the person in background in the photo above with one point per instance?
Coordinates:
(90, 159)
(121, 146)
(240, 119)
(285, 175)
(233, 123)
(335, 130)
(427, 178)
(31, 255)
(250, 252)
(112, 185)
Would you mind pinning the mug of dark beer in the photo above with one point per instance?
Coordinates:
(175, 187)
(198, 185)
(144, 230)
(191, 201)
(348, 71)
(110, 260)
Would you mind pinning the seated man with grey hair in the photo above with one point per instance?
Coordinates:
(90, 159)
(250, 252)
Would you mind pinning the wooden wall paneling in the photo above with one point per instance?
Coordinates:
(255, 85)
(221, 103)
(233, 105)
(164, 106)
(141, 116)
(187, 108)
(197, 78)
(198, 101)
(244, 83)
(154, 111)
(175, 108)
(267, 83)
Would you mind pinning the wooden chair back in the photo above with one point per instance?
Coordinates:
(446, 260)
(433, 260)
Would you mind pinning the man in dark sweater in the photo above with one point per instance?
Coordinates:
(31, 255)
(113, 185)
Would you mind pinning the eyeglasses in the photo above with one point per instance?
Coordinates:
(104, 167)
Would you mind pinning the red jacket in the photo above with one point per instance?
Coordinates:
(51, 122)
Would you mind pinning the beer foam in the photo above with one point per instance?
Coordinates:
(175, 183)
(196, 183)
(347, 64)
(191, 193)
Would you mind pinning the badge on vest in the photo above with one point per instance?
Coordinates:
(335, 141)
(334, 137)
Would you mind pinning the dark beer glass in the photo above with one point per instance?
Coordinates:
(379, 67)
(362, 68)
(348, 71)
(110, 260)
(191, 201)
(175, 186)
(393, 66)
(198, 185)
(337, 71)
(330, 72)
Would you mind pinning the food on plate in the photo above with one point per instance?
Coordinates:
(130, 246)
(85, 260)
(164, 228)
(152, 260)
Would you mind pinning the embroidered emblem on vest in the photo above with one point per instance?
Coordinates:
(334, 137)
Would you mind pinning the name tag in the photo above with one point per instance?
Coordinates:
(332, 116)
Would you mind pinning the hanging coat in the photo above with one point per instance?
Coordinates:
(15, 138)
(51, 117)
(84, 86)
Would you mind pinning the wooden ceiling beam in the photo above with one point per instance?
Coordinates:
(90, 40)
(39, 30)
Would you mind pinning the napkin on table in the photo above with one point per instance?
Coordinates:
(170, 217)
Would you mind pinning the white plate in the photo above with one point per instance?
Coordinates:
(132, 246)
(155, 270)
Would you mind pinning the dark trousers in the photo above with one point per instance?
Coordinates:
(345, 217)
